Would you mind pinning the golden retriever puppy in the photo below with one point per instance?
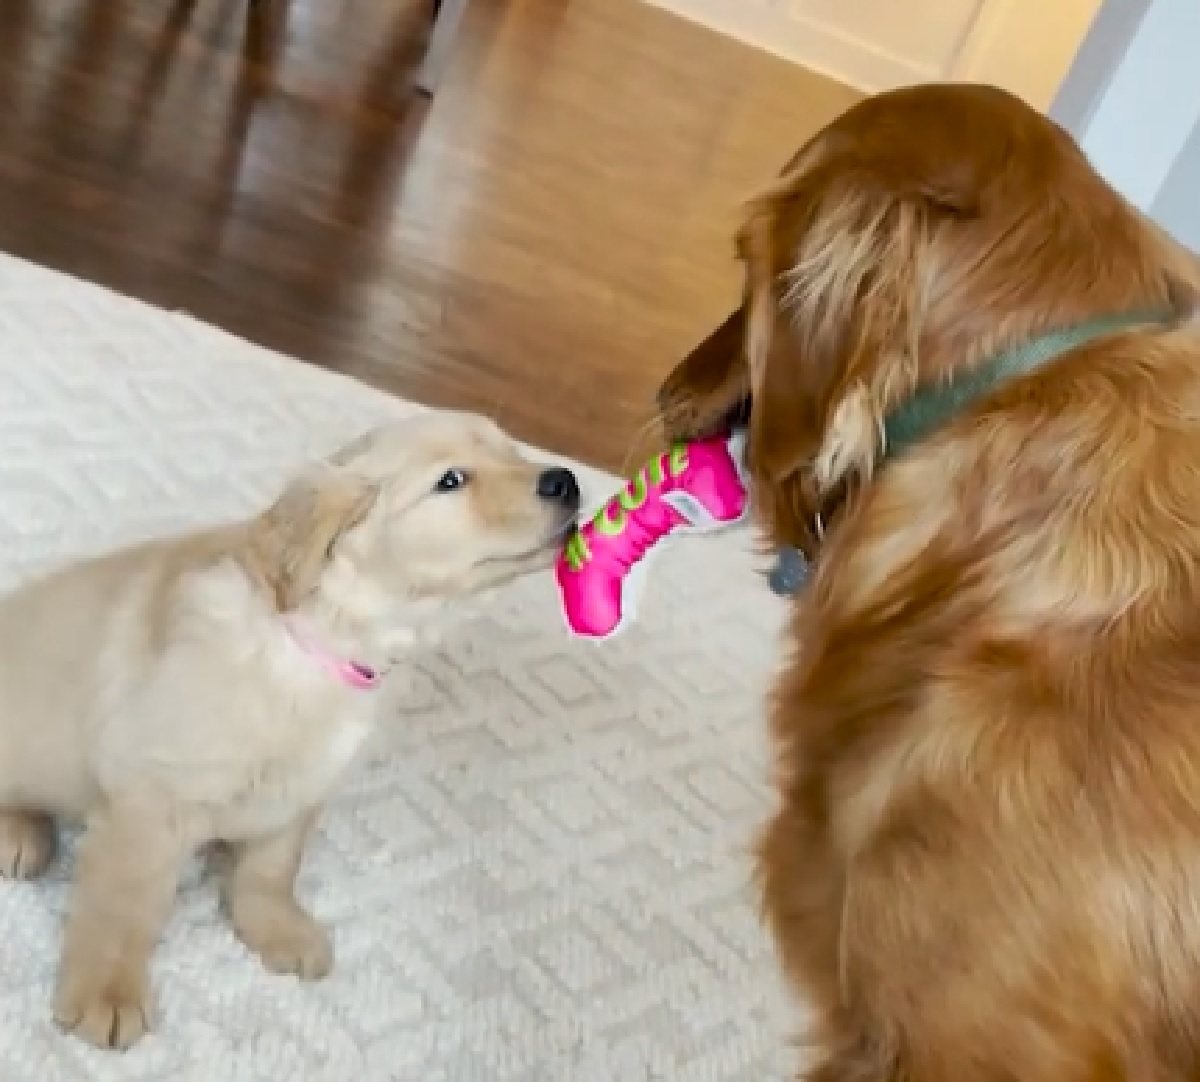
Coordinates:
(216, 686)
(971, 373)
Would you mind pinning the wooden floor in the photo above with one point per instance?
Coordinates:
(541, 243)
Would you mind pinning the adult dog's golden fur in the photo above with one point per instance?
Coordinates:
(985, 864)
(167, 694)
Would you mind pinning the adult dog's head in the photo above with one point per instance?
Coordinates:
(919, 234)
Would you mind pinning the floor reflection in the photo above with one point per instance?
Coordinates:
(223, 109)
(541, 241)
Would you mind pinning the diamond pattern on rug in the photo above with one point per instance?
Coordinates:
(543, 873)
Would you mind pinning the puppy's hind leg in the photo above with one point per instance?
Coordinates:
(27, 843)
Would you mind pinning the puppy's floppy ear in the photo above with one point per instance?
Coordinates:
(356, 448)
(294, 540)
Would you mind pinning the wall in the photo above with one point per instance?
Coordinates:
(1132, 99)
(1176, 205)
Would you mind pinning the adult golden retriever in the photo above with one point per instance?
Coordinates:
(216, 686)
(972, 363)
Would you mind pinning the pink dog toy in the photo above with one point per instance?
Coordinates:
(693, 488)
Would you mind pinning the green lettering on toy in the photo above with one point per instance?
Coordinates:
(634, 494)
(612, 519)
(577, 552)
(679, 460)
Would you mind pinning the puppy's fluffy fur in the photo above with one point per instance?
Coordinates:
(162, 695)
(985, 866)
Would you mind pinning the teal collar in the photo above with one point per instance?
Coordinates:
(932, 407)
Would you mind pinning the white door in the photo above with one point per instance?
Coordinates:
(1023, 45)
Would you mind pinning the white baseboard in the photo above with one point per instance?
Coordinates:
(768, 25)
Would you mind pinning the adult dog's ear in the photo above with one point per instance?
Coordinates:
(788, 387)
(708, 390)
(836, 261)
(295, 538)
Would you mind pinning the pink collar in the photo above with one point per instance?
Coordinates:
(351, 673)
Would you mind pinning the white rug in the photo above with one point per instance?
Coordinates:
(543, 876)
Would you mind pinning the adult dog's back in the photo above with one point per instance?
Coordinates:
(985, 866)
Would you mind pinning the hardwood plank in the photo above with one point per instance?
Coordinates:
(541, 242)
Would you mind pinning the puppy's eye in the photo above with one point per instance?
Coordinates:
(451, 480)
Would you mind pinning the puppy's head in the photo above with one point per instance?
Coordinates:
(920, 233)
(436, 507)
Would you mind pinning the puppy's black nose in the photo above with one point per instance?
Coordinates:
(560, 487)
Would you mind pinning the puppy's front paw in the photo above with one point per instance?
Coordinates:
(27, 844)
(287, 939)
(109, 1011)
